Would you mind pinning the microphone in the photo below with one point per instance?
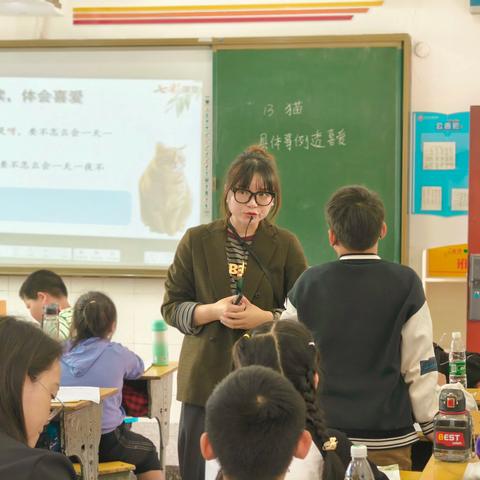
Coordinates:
(238, 299)
(248, 224)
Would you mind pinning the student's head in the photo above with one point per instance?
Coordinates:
(254, 170)
(29, 378)
(94, 315)
(288, 347)
(41, 288)
(355, 216)
(254, 425)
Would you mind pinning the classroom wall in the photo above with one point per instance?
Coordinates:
(444, 81)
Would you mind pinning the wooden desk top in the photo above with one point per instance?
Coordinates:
(476, 394)
(476, 423)
(437, 470)
(407, 475)
(155, 372)
(71, 406)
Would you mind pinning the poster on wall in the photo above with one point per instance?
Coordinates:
(440, 146)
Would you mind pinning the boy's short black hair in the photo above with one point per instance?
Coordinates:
(355, 214)
(43, 281)
(254, 419)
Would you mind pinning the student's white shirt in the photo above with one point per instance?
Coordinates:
(310, 468)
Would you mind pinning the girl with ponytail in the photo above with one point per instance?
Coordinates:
(92, 359)
(288, 347)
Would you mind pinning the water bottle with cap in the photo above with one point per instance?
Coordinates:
(452, 427)
(51, 320)
(159, 344)
(457, 360)
(359, 468)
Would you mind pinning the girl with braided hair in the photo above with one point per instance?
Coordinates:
(228, 276)
(288, 347)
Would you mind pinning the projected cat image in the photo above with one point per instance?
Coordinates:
(165, 197)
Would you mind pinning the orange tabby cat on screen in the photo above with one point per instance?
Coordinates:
(165, 197)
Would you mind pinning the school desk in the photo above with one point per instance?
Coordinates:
(476, 394)
(437, 470)
(80, 430)
(409, 475)
(159, 383)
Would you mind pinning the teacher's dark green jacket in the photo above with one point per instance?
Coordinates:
(199, 273)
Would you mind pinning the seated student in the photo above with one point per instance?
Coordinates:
(43, 287)
(288, 347)
(372, 326)
(92, 359)
(29, 380)
(254, 425)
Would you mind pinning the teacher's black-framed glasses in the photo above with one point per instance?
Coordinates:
(262, 198)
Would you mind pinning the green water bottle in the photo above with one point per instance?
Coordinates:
(159, 344)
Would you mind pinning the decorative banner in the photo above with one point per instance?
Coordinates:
(124, 13)
(440, 163)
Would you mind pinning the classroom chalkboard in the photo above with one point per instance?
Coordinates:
(332, 114)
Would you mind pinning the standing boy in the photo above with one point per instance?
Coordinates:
(255, 424)
(373, 328)
(43, 287)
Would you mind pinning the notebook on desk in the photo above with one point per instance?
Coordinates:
(472, 472)
(76, 394)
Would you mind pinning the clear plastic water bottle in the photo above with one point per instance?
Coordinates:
(457, 360)
(359, 468)
(51, 320)
(159, 342)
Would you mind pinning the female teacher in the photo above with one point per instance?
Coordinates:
(228, 276)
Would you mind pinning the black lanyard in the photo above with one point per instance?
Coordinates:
(247, 247)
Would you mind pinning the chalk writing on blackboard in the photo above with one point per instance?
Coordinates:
(289, 109)
(316, 140)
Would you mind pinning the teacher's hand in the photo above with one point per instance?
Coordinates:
(244, 316)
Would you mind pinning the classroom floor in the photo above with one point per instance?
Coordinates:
(172, 455)
(149, 429)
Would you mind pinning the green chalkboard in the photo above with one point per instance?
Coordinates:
(332, 115)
